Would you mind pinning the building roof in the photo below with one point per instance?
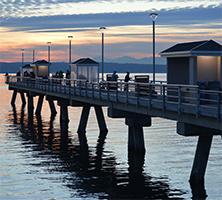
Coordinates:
(83, 61)
(206, 47)
(41, 62)
(27, 66)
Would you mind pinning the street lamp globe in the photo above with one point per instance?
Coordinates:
(70, 37)
(102, 29)
(153, 16)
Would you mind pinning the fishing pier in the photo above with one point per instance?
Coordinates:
(197, 110)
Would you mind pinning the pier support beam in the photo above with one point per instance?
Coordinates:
(199, 166)
(101, 122)
(201, 158)
(64, 116)
(52, 106)
(135, 133)
(14, 95)
(30, 108)
(23, 99)
(39, 105)
(82, 126)
(83, 120)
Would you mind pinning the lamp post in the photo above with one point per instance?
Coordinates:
(70, 48)
(22, 50)
(102, 30)
(33, 55)
(49, 49)
(154, 16)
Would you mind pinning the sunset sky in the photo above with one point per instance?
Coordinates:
(30, 24)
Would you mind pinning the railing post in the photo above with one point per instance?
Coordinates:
(117, 92)
(138, 94)
(198, 102)
(60, 85)
(164, 97)
(69, 82)
(74, 87)
(93, 91)
(86, 88)
(150, 96)
(127, 93)
(108, 91)
(219, 106)
(100, 93)
(80, 87)
(179, 99)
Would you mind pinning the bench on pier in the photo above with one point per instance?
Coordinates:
(143, 89)
(111, 85)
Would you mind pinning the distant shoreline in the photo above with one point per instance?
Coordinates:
(109, 67)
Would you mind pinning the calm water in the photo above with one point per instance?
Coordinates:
(43, 162)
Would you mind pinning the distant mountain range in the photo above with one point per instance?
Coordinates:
(109, 67)
(127, 59)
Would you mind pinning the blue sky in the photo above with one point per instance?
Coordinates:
(29, 24)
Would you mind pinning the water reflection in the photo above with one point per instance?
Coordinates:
(90, 170)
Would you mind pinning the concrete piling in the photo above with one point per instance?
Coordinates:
(39, 105)
(83, 120)
(30, 108)
(23, 98)
(14, 95)
(82, 127)
(135, 136)
(201, 158)
(135, 133)
(101, 122)
(64, 116)
(199, 167)
(52, 107)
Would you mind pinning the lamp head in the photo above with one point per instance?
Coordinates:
(102, 29)
(49, 43)
(70, 37)
(153, 16)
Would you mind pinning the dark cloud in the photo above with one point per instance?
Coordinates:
(177, 17)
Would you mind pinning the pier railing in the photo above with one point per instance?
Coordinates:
(189, 99)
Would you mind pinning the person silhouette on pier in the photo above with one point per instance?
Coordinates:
(114, 76)
(127, 77)
(126, 80)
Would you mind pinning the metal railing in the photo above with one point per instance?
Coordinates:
(189, 99)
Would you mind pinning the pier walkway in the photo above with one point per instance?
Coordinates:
(182, 103)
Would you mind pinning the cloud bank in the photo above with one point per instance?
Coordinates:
(210, 17)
